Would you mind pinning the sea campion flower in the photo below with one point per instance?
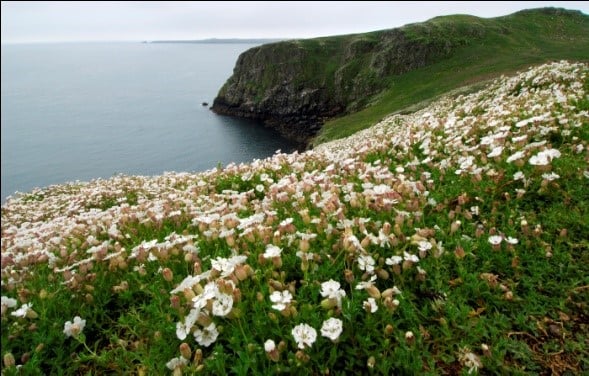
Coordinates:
(74, 329)
(272, 251)
(394, 260)
(495, 240)
(7, 303)
(495, 152)
(222, 304)
(366, 263)
(269, 345)
(271, 350)
(550, 176)
(177, 363)
(25, 311)
(370, 305)
(518, 155)
(544, 157)
(304, 335)
(280, 299)
(331, 289)
(519, 176)
(332, 328)
(206, 336)
(469, 359)
(333, 293)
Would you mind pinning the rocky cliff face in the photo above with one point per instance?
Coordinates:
(294, 86)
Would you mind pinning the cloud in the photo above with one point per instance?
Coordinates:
(141, 20)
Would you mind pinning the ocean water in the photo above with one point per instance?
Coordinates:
(79, 111)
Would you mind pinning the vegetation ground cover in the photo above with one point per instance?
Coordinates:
(452, 240)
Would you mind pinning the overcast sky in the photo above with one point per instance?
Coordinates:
(34, 21)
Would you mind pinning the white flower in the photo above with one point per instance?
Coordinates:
(410, 257)
(495, 152)
(182, 329)
(544, 157)
(331, 289)
(519, 176)
(550, 176)
(366, 263)
(280, 299)
(495, 239)
(470, 360)
(22, 311)
(227, 266)
(207, 335)
(74, 329)
(7, 303)
(222, 304)
(538, 160)
(394, 260)
(269, 345)
(511, 240)
(178, 362)
(332, 328)
(370, 305)
(304, 335)
(424, 245)
(272, 251)
(365, 284)
(515, 156)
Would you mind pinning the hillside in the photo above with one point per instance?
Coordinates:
(453, 240)
(295, 86)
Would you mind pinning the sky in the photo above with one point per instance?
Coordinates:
(65, 21)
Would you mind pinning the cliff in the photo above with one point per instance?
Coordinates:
(295, 86)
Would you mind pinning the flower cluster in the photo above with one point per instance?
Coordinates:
(343, 227)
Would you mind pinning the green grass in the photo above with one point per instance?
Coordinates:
(488, 48)
(114, 252)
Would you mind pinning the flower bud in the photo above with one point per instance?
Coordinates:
(302, 357)
(373, 291)
(349, 275)
(382, 274)
(198, 356)
(9, 360)
(409, 338)
(241, 272)
(43, 294)
(168, 274)
(486, 349)
(329, 303)
(185, 350)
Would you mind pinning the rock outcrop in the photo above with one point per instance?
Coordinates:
(294, 86)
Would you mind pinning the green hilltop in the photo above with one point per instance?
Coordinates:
(488, 48)
(349, 82)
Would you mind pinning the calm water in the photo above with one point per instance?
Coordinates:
(82, 111)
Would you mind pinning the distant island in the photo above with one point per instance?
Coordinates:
(220, 41)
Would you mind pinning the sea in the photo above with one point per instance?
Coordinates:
(81, 111)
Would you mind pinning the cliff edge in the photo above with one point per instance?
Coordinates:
(295, 86)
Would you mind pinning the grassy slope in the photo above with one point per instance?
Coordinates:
(510, 43)
(115, 252)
